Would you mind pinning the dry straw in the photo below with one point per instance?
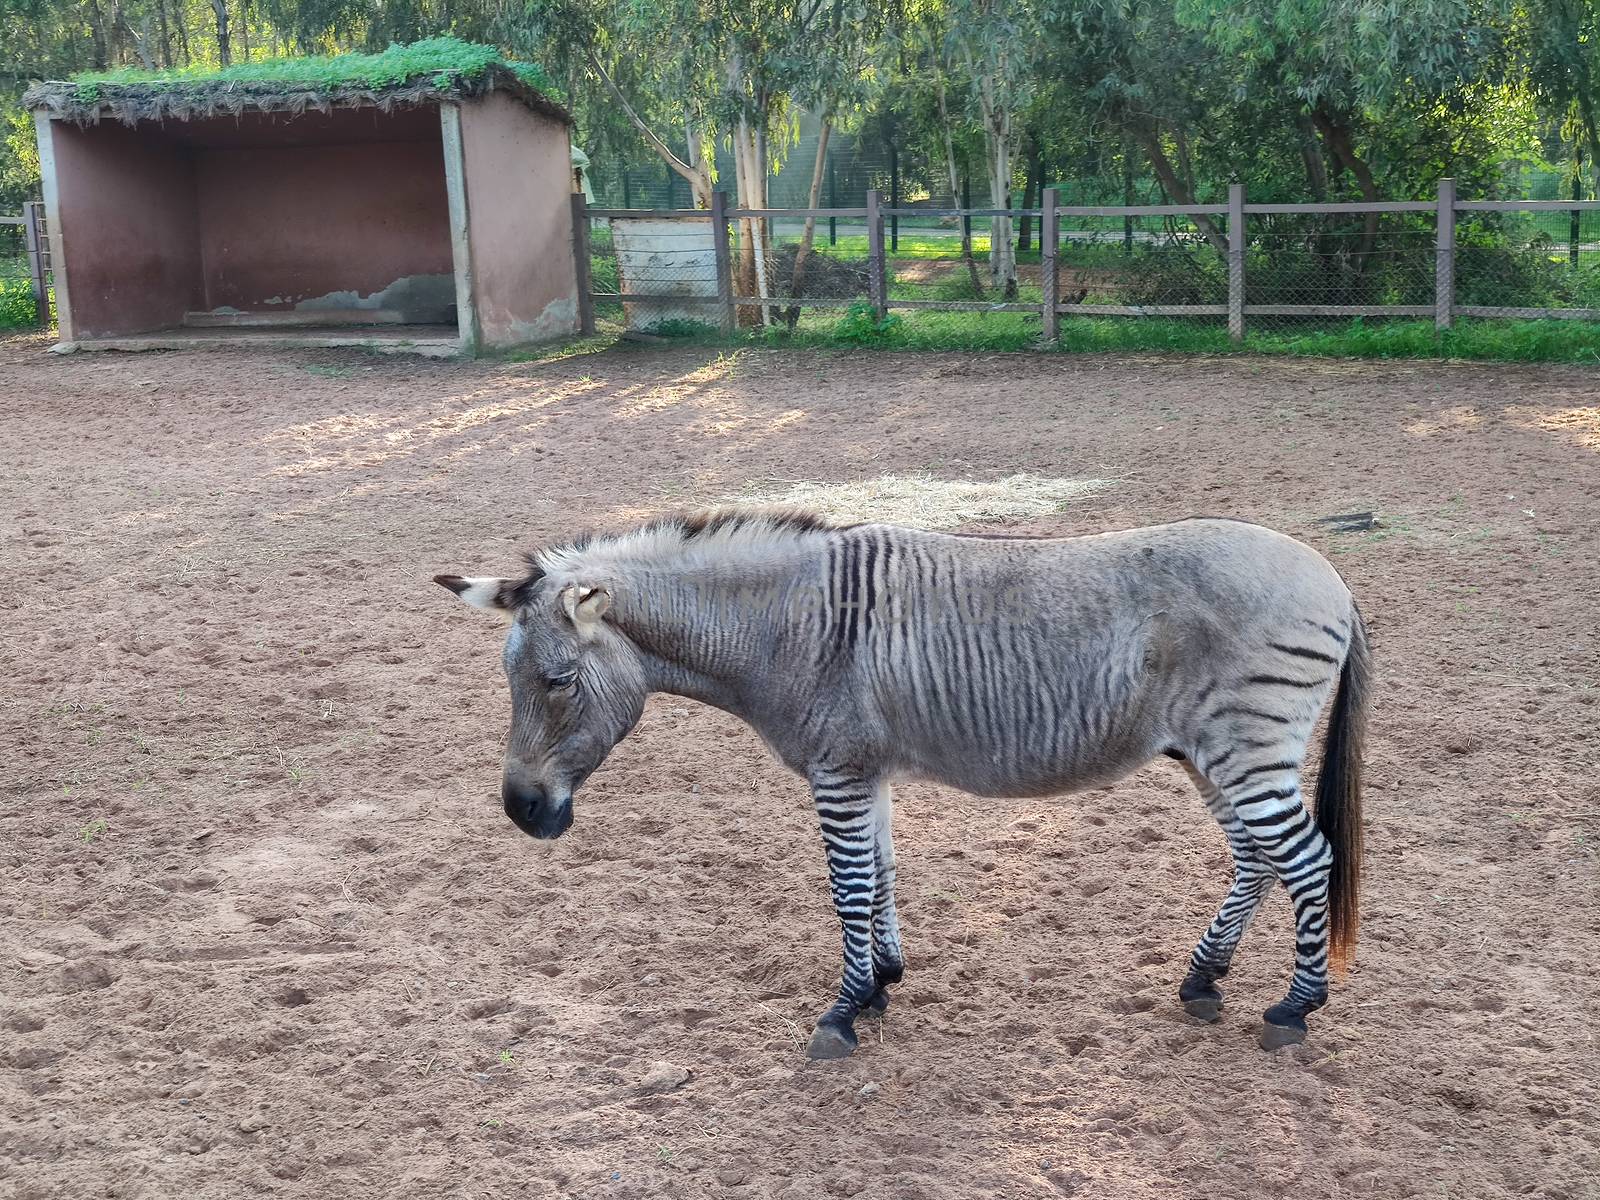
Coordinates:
(924, 502)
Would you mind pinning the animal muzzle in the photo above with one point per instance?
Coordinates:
(535, 812)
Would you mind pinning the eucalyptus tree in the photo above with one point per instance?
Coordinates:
(835, 63)
(1144, 78)
(1341, 64)
(996, 45)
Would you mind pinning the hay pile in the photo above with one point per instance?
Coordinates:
(924, 502)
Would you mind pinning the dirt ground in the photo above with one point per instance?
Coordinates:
(264, 929)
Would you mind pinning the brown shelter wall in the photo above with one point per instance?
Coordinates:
(519, 212)
(127, 226)
(283, 226)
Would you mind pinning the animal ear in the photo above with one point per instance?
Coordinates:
(586, 606)
(481, 591)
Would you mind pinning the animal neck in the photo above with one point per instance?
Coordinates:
(711, 628)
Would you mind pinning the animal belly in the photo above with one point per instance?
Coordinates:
(1016, 768)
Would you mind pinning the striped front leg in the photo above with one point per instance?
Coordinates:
(845, 808)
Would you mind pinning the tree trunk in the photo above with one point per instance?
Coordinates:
(1337, 136)
(997, 135)
(1032, 187)
(183, 33)
(1591, 129)
(166, 34)
(1150, 142)
(752, 273)
(955, 190)
(97, 35)
(698, 175)
(224, 47)
(797, 282)
(763, 238)
(694, 156)
(1311, 155)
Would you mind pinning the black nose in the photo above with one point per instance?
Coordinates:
(532, 811)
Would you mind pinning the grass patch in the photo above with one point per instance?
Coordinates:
(1492, 341)
(1480, 340)
(441, 61)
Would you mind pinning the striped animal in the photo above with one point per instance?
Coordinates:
(1001, 666)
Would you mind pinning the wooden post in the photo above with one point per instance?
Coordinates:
(877, 266)
(580, 264)
(33, 230)
(1048, 277)
(1444, 265)
(455, 189)
(727, 317)
(1236, 261)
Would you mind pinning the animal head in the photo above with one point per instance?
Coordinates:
(577, 688)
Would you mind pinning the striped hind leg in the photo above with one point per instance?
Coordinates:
(1252, 879)
(846, 810)
(888, 965)
(1269, 806)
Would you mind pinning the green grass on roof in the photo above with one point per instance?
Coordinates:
(439, 61)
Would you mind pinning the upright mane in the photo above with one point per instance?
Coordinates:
(707, 529)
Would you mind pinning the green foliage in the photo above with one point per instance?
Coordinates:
(19, 156)
(603, 273)
(16, 297)
(442, 61)
(861, 326)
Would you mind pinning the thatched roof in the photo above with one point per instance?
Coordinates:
(421, 73)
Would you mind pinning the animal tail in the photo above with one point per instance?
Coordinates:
(1339, 795)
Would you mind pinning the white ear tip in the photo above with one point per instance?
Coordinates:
(480, 591)
(484, 593)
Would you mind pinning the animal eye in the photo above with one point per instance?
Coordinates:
(561, 679)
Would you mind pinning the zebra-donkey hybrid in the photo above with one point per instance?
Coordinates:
(1001, 666)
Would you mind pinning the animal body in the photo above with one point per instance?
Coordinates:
(1001, 666)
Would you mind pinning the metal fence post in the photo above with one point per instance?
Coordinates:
(580, 264)
(1048, 276)
(727, 318)
(1444, 267)
(38, 249)
(877, 266)
(1236, 261)
(833, 202)
(894, 197)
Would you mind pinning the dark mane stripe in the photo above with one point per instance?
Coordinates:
(689, 526)
(716, 520)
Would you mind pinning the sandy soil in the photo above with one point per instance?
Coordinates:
(264, 930)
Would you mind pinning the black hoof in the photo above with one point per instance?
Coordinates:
(875, 1006)
(1202, 999)
(831, 1041)
(1284, 1027)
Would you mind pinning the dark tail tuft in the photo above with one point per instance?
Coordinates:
(1339, 796)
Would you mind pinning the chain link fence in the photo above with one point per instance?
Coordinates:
(1205, 274)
